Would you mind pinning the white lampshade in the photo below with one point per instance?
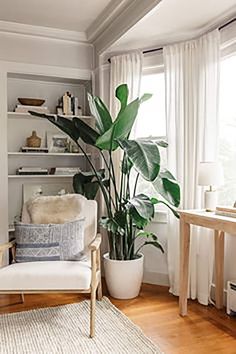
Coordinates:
(210, 174)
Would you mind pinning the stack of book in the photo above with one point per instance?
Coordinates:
(33, 149)
(25, 109)
(226, 211)
(64, 171)
(32, 171)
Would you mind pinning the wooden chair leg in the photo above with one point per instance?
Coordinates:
(99, 290)
(92, 312)
(22, 298)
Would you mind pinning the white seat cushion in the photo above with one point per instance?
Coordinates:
(57, 275)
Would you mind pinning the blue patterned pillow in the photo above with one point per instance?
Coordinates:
(49, 242)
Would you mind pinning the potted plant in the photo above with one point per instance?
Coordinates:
(128, 213)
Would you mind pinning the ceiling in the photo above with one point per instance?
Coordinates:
(174, 20)
(75, 15)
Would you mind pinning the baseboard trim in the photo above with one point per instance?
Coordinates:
(156, 278)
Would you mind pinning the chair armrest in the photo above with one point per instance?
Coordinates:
(7, 246)
(4, 247)
(94, 246)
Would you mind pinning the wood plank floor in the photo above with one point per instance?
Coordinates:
(205, 330)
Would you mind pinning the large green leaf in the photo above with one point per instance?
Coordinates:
(162, 143)
(87, 134)
(64, 124)
(143, 205)
(152, 243)
(167, 186)
(122, 93)
(111, 225)
(100, 112)
(103, 113)
(120, 128)
(145, 97)
(137, 219)
(159, 201)
(84, 183)
(144, 155)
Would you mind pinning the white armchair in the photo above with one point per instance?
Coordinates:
(59, 276)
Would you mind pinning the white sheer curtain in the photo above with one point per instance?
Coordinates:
(125, 69)
(192, 83)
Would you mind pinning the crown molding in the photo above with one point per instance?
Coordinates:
(116, 19)
(43, 32)
(105, 18)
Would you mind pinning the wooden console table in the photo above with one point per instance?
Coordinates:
(220, 225)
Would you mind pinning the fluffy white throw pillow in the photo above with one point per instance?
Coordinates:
(55, 209)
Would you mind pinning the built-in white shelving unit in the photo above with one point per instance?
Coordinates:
(38, 176)
(17, 115)
(45, 154)
(21, 125)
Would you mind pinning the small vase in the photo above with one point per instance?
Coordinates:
(33, 140)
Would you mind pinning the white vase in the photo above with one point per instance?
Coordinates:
(123, 278)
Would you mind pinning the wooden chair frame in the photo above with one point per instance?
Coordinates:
(96, 285)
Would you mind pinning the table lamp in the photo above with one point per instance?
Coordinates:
(210, 175)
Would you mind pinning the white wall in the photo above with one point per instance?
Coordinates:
(45, 51)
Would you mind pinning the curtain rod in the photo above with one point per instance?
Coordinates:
(160, 48)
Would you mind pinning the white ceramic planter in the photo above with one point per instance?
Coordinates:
(123, 278)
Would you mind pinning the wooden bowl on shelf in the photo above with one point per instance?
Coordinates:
(31, 101)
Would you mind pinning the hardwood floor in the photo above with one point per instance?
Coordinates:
(205, 330)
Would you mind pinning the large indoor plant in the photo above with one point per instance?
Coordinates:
(128, 213)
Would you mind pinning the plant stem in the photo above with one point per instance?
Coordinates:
(111, 176)
(135, 185)
(98, 179)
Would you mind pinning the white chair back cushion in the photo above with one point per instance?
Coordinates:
(61, 209)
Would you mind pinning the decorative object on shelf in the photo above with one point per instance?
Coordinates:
(127, 212)
(68, 105)
(211, 175)
(73, 147)
(57, 142)
(34, 149)
(31, 101)
(31, 171)
(59, 110)
(33, 104)
(33, 141)
(80, 112)
(31, 190)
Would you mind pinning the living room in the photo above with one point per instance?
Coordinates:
(118, 185)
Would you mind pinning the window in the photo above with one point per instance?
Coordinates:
(227, 146)
(151, 122)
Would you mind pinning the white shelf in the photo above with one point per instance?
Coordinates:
(38, 176)
(19, 115)
(46, 154)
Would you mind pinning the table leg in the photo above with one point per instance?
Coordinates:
(184, 265)
(219, 268)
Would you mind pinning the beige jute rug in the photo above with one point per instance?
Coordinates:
(65, 329)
